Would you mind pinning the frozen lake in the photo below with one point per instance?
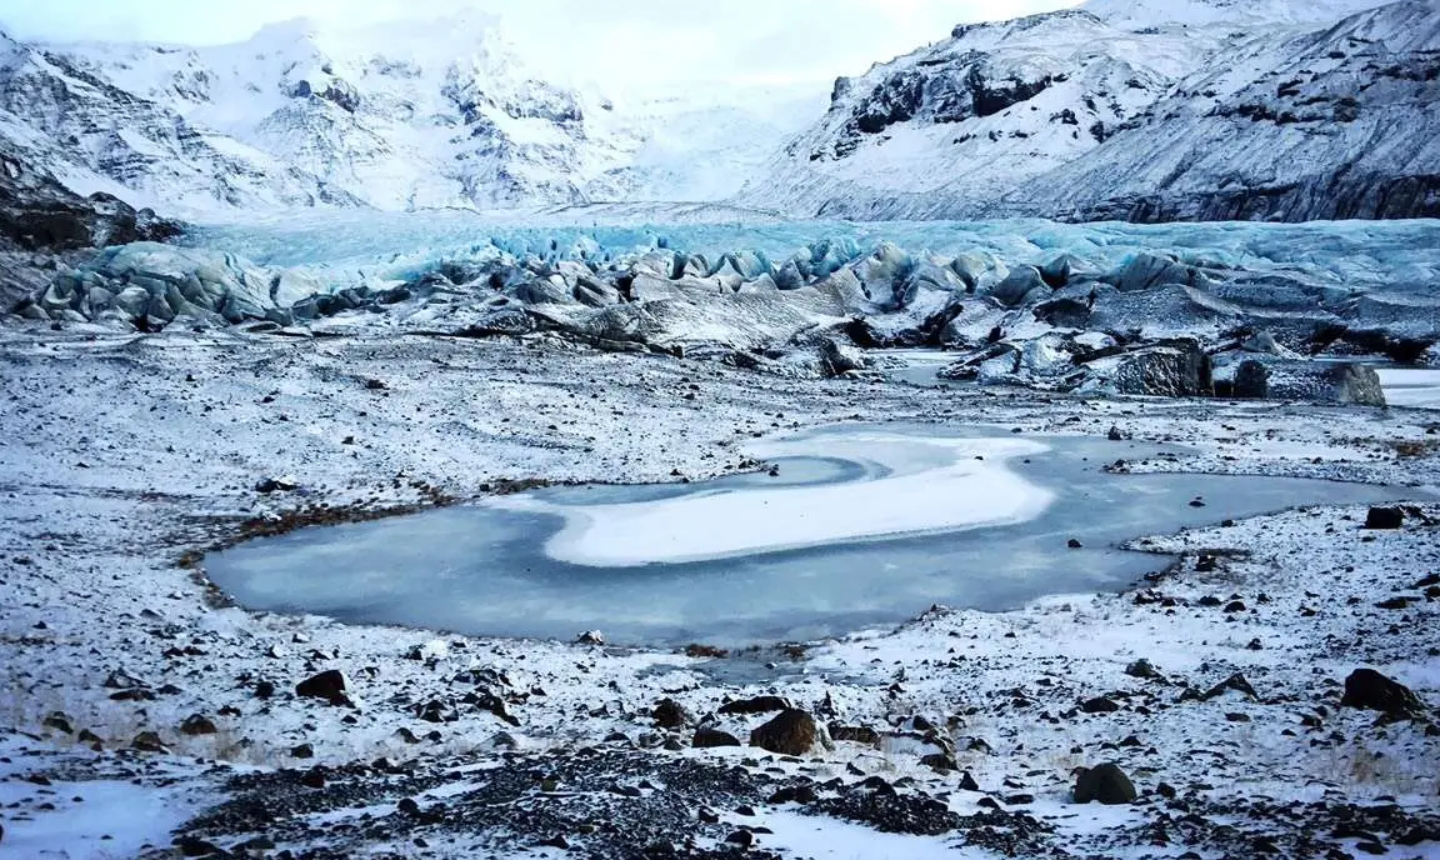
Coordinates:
(861, 526)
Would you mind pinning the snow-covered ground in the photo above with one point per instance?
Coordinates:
(125, 456)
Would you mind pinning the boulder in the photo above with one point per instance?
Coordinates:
(708, 738)
(198, 724)
(1385, 519)
(670, 714)
(792, 733)
(1177, 369)
(1343, 384)
(757, 705)
(1106, 784)
(1369, 690)
(838, 360)
(330, 685)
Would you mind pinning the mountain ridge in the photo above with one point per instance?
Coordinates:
(1070, 114)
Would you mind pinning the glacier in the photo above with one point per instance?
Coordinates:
(1399, 254)
(1178, 310)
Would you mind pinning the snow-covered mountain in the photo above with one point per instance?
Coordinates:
(1137, 109)
(1130, 109)
(405, 116)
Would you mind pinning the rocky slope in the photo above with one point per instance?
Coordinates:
(40, 220)
(1204, 109)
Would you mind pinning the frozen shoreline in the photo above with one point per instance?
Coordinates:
(116, 463)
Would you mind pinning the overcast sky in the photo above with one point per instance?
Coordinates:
(616, 41)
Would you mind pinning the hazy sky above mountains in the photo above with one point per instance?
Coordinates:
(610, 41)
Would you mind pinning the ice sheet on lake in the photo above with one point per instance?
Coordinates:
(913, 486)
(1406, 386)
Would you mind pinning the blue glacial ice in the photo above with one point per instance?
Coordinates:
(400, 246)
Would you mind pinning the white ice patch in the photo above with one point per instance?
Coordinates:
(913, 486)
(1413, 387)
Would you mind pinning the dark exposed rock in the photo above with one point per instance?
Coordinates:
(1369, 690)
(1385, 519)
(1106, 783)
(149, 742)
(793, 733)
(37, 213)
(709, 738)
(330, 685)
(854, 734)
(1347, 384)
(670, 714)
(198, 724)
(757, 705)
(1100, 705)
(1178, 369)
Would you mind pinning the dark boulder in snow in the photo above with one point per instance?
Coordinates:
(757, 705)
(793, 733)
(708, 738)
(1369, 690)
(330, 685)
(1106, 784)
(670, 714)
(1385, 519)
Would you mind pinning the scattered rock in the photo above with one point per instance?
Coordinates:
(1142, 668)
(149, 742)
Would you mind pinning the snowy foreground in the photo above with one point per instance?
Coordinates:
(150, 719)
